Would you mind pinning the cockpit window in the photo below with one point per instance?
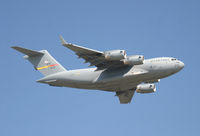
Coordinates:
(173, 59)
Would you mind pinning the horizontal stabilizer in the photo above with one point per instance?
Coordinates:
(27, 51)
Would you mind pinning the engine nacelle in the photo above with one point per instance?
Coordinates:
(134, 60)
(115, 55)
(146, 88)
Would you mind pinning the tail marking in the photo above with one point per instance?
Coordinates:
(53, 65)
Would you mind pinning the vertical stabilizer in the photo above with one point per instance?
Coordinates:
(41, 60)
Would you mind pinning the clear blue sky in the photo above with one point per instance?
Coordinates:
(150, 27)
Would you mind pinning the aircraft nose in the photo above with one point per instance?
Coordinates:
(181, 64)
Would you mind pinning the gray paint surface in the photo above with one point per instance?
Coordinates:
(111, 76)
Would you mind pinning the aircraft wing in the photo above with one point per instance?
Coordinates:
(125, 97)
(94, 57)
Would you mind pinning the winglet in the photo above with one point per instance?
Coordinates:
(62, 40)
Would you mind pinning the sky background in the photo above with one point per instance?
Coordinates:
(153, 28)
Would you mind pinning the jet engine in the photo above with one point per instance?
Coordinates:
(146, 88)
(115, 54)
(134, 60)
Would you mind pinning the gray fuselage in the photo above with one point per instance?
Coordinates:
(118, 79)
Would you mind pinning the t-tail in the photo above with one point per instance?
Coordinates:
(41, 60)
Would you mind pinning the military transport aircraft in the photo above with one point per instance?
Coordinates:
(115, 71)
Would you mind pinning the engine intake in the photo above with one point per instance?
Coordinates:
(146, 88)
(115, 55)
(134, 60)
